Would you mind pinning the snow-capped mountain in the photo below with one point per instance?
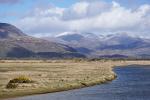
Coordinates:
(67, 33)
(93, 45)
(76, 36)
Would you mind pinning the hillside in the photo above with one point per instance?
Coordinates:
(121, 45)
(16, 44)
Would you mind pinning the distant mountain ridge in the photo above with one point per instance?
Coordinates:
(10, 31)
(115, 45)
(16, 44)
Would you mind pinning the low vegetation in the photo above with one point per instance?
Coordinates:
(11, 85)
(18, 80)
(16, 76)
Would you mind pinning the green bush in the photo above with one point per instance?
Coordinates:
(21, 79)
(11, 85)
(14, 82)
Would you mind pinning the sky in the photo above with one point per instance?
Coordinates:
(51, 17)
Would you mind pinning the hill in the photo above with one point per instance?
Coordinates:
(120, 45)
(16, 44)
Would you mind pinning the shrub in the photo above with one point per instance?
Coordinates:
(11, 85)
(21, 79)
(14, 82)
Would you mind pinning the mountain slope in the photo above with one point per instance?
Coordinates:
(10, 31)
(114, 45)
(14, 43)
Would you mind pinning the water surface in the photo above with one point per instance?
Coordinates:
(132, 83)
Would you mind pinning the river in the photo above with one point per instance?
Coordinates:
(132, 83)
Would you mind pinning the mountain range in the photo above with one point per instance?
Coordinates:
(16, 44)
(119, 45)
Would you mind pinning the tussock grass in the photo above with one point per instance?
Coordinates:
(13, 83)
(54, 75)
(21, 79)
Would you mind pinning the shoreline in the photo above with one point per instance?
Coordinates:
(75, 85)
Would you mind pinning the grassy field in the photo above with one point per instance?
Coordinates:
(56, 75)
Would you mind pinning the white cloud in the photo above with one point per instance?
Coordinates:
(85, 10)
(80, 8)
(93, 16)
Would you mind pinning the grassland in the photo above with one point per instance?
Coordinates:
(56, 75)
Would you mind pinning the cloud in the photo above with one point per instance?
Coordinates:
(96, 16)
(43, 20)
(85, 9)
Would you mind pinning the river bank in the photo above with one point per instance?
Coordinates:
(132, 83)
(53, 76)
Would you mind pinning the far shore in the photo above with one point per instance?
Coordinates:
(57, 75)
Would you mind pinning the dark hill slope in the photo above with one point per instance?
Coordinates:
(15, 44)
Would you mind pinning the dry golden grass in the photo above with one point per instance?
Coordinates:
(56, 75)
